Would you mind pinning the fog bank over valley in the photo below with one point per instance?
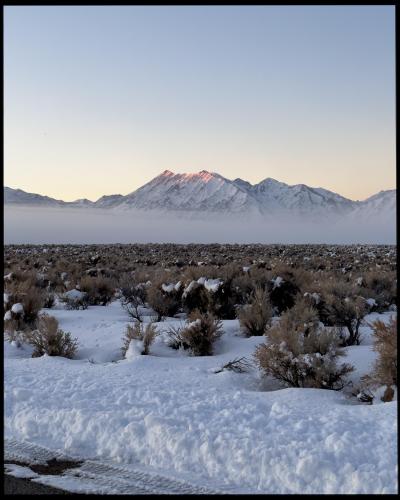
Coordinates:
(59, 225)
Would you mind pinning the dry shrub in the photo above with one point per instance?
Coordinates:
(282, 295)
(51, 340)
(259, 276)
(237, 365)
(31, 298)
(10, 326)
(301, 353)
(345, 309)
(175, 339)
(133, 292)
(243, 286)
(255, 316)
(49, 300)
(12, 333)
(298, 276)
(385, 369)
(303, 316)
(100, 291)
(198, 335)
(144, 334)
(33, 302)
(164, 304)
(223, 301)
(316, 299)
(74, 303)
(381, 287)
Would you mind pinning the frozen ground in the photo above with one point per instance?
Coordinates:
(169, 413)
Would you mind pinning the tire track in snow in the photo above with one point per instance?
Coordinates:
(107, 477)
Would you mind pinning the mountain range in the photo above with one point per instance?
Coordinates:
(210, 193)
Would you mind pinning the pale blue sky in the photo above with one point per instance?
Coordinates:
(98, 100)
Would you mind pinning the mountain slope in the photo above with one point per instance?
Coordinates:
(381, 205)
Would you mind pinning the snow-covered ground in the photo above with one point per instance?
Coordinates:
(169, 412)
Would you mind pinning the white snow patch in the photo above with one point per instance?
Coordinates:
(75, 294)
(168, 288)
(212, 285)
(135, 349)
(17, 308)
(20, 471)
(277, 282)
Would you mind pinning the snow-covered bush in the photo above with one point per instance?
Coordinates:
(195, 297)
(385, 368)
(254, 317)
(51, 340)
(141, 336)
(99, 290)
(302, 353)
(198, 335)
(24, 302)
(74, 299)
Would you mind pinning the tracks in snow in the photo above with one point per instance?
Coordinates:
(107, 477)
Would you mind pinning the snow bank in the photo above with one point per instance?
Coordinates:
(169, 411)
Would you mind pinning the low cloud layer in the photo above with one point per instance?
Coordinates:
(44, 225)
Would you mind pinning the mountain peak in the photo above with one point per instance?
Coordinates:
(204, 174)
(271, 181)
(166, 173)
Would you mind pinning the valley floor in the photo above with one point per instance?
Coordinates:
(170, 413)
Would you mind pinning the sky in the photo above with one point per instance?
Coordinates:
(99, 100)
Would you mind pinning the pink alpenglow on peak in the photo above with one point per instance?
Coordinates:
(167, 173)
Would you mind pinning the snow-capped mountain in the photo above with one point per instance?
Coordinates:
(199, 192)
(273, 196)
(210, 193)
(20, 197)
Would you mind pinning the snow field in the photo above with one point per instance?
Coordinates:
(170, 412)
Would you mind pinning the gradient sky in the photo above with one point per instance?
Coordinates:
(99, 100)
